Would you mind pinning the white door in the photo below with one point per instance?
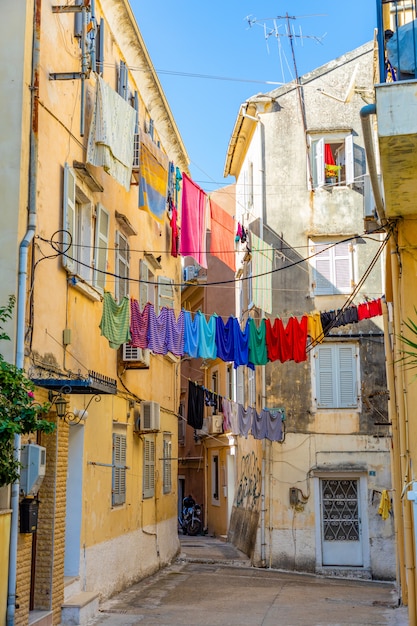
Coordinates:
(341, 534)
(73, 517)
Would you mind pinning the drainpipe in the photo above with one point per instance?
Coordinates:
(21, 299)
(400, 393)
(365, 113)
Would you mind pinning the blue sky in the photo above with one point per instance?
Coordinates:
(214, 38)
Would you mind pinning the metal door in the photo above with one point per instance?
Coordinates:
(340, 522)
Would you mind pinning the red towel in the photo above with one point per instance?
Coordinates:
(222, 235)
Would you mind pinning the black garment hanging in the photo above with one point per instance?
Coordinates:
(195, 412)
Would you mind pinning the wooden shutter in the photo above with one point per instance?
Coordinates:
(122, 266)
(349, 161)
(347, 376)
(319, 156)
(68, 220)
(119, 470)
(148, 467)
(322, 272)
(101, 247)
(167, 463)
(326, 391)
(165, 292)
(342, 267)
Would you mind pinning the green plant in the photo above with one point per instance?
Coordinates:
(409, 357)
(19, 413)
(332, 171)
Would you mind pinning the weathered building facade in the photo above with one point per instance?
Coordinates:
(85, 104)
(301, 184)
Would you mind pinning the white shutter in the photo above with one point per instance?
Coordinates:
(325, 379)
(122, 267)
(240, 385)
(148, 467)
(165, 292)
(101, 247)
(349, 161)
(68, 220)
(343, 267)
(322, 274)
(319, 155)
(347, 377)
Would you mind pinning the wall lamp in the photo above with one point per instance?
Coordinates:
(60, 403)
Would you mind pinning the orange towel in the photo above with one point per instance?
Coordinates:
(222, 235)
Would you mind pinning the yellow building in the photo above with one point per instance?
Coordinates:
(81, 107)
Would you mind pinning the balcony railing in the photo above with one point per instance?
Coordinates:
(397, 40)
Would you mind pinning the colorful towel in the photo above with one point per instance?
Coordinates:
(222, 235)
(193, 221)
(114, 324)
(153, 184)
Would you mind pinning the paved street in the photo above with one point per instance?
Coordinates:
(212, 584)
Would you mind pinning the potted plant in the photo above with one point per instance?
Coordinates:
(331, 173)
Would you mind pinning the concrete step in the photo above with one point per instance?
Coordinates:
(72, 586)
(40, 618)
(79, 609)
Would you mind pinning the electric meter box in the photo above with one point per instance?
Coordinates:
(32, 472)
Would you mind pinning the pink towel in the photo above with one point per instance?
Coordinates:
(193, 221)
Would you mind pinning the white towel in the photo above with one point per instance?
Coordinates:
(262, 258)
(111, 137)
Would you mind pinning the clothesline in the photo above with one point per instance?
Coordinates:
(270, 340)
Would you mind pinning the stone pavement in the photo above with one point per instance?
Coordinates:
(212, 584)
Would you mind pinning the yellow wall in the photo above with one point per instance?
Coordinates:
(5, 517)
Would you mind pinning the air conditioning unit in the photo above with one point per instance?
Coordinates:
(33, 459)
(149, 416)
(216, 424)
(136, 357)
(190, 273)
(136, 153)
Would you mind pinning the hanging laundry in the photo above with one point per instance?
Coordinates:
(111, 137)
(226, 410)
(153, 184)
(193, 222)
(157, 330)
(139, 324)
(258, 427)
(191, 335)
(314, 328)
(257, 346)
(175, 333)
(225, 338)
(207, 348)
(375, 307)
(195, 407)
(273, 419)
(175, 236)
(287, 343)
(221, 241)
(299, 338)
(262, 259)
(245, 419)
(241, 344)
(234, 418)
(384, 508)
(171, 180)
(114, 324)
(328, 320)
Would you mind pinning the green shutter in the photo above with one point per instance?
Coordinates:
(119, 470)
(101, 247)
(143, 284)
(68, 220)
(148, 467)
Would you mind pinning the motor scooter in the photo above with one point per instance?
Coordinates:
(190, 520)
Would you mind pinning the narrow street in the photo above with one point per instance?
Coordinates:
(212, 584)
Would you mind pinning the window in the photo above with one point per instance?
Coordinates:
(332, 265)
(336, 375)
(147, 285)
(229, 382)
(123, 82)
(215, 381)
(119, 470)
(215, 479)
(167, 473)
(335, 150)
(148, 467)
(83, 233)
(122, 267)
(240, 384)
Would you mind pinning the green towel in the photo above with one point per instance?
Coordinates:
(115, 320)
(257, 343)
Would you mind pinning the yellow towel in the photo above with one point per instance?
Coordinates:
(384, 505)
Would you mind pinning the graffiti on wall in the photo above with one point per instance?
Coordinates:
(249, 485)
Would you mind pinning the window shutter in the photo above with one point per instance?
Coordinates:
(100, 48)
(101, 247)
(320, 162)
(322, 273)
(119, 470)
(165, 292)
(167, 463)
(122, 87)
(349, 161)
(143, 284)
(240, 385)
(68, 219)
(122, 266)
(325, 380)
(136, 107)
(347, 374)
(148, 467)
(343, 267)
